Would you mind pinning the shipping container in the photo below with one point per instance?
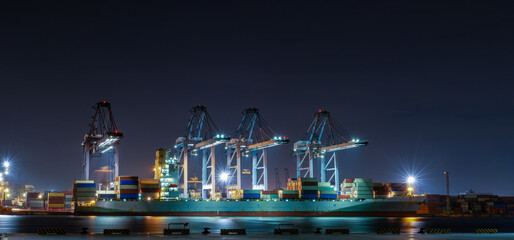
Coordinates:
(309, 196)
(251, 196)
(328, 196)
(129, 196)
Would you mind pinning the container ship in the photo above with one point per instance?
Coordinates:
(303, 197)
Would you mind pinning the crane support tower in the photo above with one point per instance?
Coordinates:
(253, 137)
(324, 137)
(201, 135)
(103, 137)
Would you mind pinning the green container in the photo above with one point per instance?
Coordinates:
(323, 184)
(251, 191)
(326, 189)
(308, 179)
(290, 192)
(309, 187)
(328, 192)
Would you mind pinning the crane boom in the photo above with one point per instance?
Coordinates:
(323, 136)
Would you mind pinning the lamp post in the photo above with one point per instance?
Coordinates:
(5, 190)
(410, 181)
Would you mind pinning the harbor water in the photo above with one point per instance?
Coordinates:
(257, 225)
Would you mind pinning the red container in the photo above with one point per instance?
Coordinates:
(309, 184)
(130, 178)
(349, 180)
(129, 191)
(56, 200)
(343, 196)
(270, 192)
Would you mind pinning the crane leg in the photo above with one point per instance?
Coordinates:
(204, 173)
(254, 170)
(323, 169)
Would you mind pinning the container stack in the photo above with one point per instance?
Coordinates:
(398, 189)
(56, 201)
(68, 199)
(380, 191)
(292, 184)
(34, 201)
(107, 195)
(289, 194)
(127, 187)
(235, 194)
(251, 194)
(346, 187)
(149, 189)
(84, 190)
(269, 194)
(308, 188)
(362, 188)
(326, 191)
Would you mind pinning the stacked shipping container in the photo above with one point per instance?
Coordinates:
(34, 201)
(269, 194)
(326, 191)
(308, 188)
(362, 188)
(149, 189)
(56, 201)
(84, 191)
(289, 194)
(127, 187)
(398, 189)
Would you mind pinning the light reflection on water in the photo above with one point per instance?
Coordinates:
(144, 224)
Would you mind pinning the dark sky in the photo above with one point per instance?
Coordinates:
(428, 83)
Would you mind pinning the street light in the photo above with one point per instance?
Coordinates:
(6, 164)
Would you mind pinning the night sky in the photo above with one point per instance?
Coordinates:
(428, 83)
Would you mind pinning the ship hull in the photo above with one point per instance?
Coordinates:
(393, 207)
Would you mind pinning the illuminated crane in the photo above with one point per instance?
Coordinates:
(323, 136)
(201, 135)
(103, 137)
(253, 136)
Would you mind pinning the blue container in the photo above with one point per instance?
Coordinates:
(251, 196)
(310, 192)
(108, 196)
(129, 182)
(328, 196)
(85, 185)
(129, 196)
(309, 196)
(500, 205)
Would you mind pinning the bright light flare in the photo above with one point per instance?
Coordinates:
(411, 179)
(6, 164)
(224, 176)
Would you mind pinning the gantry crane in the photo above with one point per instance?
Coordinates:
(253, 136)
(103, 136)
(323, 137)
(201, 135)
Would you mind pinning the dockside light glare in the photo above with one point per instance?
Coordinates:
(411, 180)
(224, 176)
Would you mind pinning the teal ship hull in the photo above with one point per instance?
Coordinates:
(390, 207)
